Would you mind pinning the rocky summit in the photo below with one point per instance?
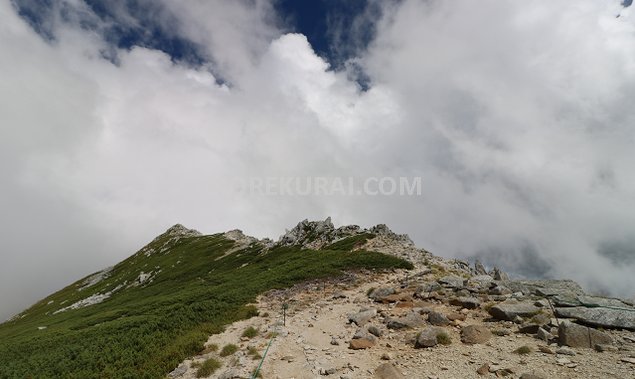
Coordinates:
(320, 301)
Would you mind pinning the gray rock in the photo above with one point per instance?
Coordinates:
(475, 334)
(428, 287)
(428, 337)
(452, 281)
(530, 376)
(179, 371)
(379, 294)
(388, 371)
(575, 335)
(364, 334)
(372, 329)
(362, 317)
(600, 316)
(500, 290)
(334, 341)
(565, 351)
(466, 302)
(327, 371)
(512, 309)
(604, 348)
(438, 319)
(529, 329)
(479, 269)
(498, 274)
(411, 320)
(565, 300)
(481, 281)
(544, 335)
(541, 319)
(546, 288)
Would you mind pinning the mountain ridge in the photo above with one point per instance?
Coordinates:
(156, 307)
(154, 310)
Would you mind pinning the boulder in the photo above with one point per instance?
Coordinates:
(499, 274)
(388, 371)
(483, 370)
(438, 319)
(452, 281)
(529, 329)
(362, 317)
(564, 350)
(466, 302)
(381, 293)
(482, 281)
(428, 337)
(372, 329)
(512, 309)
(179, 371)
(475, 334)
(544, 335)
(360, 344)
(364, 334)
(623, 318)
(574, 335)
(479, 269)
(411, 320)
(500, 290)
(427, 287)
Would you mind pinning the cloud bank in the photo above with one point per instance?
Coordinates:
(516, 114)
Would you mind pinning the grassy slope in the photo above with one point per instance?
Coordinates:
(145, 331)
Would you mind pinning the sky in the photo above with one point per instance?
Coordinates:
(119, 119)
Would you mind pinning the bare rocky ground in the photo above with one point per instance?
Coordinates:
(441, 320)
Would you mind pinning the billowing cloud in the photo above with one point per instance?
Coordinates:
(515, 114)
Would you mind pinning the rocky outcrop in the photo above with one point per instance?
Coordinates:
(575, 335)
(511, 309)
(622, 318)
(238, 236)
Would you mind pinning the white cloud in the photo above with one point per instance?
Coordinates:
(516, 114)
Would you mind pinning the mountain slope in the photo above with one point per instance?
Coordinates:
(143, 316)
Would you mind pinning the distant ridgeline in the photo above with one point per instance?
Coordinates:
(142, 317)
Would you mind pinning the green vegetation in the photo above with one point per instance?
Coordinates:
(250, 332)
(207, 368)
(228, 350)
(523, 350)
(443, 338)
(253, 352)
(144, 330)
(350, 243)
(211, 348)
